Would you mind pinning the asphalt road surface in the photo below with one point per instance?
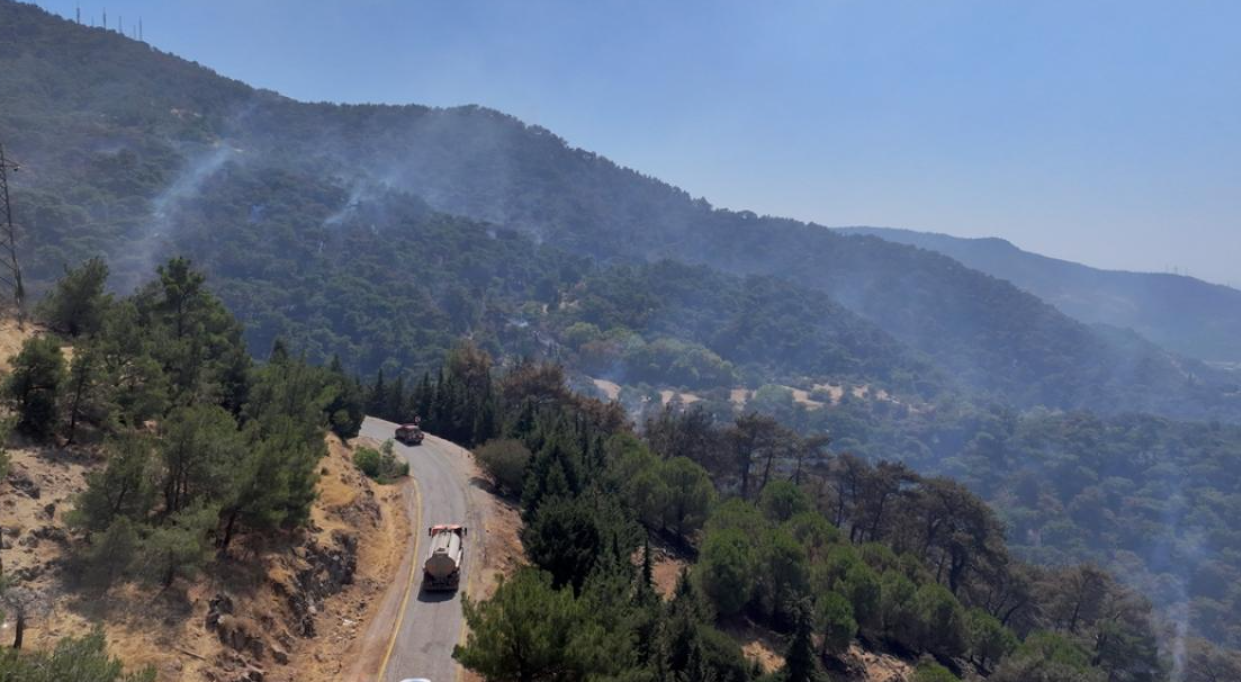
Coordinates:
(427, 624)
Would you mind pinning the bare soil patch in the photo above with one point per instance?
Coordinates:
(286, 607)
(610, 388)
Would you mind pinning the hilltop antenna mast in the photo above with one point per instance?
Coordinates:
(11, 272)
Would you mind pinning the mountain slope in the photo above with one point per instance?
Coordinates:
(1180, 313)
(126, 146)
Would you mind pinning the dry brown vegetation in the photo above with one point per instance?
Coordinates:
(284, 608)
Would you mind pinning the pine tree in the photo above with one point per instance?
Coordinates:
(111, 552)
(33, 388)
(524, 632)
(77, 304)
(122, 488)
(646, 584)
(85, 397)
(800, 663)
(180, 547)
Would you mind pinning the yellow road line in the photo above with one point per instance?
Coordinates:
(413, 569)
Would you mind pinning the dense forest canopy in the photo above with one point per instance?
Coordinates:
(826, 551)
(1178, 312)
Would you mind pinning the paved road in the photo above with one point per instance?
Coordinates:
(427, 624)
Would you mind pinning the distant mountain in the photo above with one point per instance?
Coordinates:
(1182, 314)
(358, 227)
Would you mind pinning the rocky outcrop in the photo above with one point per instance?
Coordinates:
(22, 483)
(324, 572)
(301, 581)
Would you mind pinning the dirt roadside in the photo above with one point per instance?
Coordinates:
(498, 554)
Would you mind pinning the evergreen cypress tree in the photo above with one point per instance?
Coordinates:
(279, 351)
(647, 585)
(424, 394)
(800, 663)
(377, 402)
(395, 402)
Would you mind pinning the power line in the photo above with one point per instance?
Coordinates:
(11, 272)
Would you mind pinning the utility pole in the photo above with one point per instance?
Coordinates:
(10, 271)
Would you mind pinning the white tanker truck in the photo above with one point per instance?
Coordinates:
(442, 571)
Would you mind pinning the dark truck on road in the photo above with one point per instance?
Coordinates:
(409, 434)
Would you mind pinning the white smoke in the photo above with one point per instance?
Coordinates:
(1181, 549)
(352, 204)
(188, 182)
(159, 226)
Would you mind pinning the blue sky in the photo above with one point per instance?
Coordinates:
(1107, 132)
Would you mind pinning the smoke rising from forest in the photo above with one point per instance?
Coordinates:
(158, 231)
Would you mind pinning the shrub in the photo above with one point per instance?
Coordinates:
(83, 658)
(941, 620)
(382, 466)
(367, 459)
(726, 570)
(814, 531)
(897, 608)
(928, 671)
(835, 615)
(505, 461)
(989, 641)
(690, 495)
(111, 553)
(861, 586)
(782, 500)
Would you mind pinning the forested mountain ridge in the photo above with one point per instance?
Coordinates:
(987, 333)
(1181, 313)
(122, 141)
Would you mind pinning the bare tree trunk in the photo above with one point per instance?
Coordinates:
(20, 629)
(771, 455)
(228, 530)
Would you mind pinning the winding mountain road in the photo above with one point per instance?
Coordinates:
(414, 632)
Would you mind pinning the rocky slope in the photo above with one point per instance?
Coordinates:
(284, 611)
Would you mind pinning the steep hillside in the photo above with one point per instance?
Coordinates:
(287, 611)
(1180, 313)
(138, 154)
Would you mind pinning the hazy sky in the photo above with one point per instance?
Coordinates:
(1103, 132)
